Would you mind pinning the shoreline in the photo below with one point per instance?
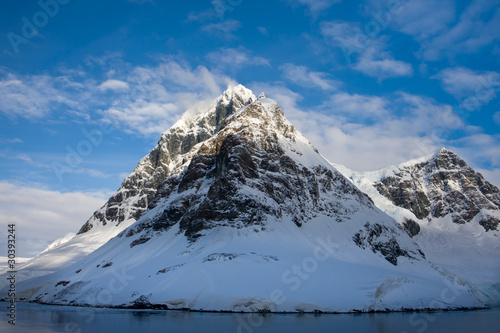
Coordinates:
(164, 307)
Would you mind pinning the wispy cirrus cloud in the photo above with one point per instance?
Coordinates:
(443, 30)
(496, 117)
(224, 29)
(304, 77)
(419, 18)
(363, 52)
(463, 82)
(14, 140)
(263, 31)
(34, 96)
(314, 7)
(236, 57)
(478, 26)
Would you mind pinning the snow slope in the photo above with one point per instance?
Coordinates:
(312, 268)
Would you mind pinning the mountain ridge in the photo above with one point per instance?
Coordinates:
(450, 211)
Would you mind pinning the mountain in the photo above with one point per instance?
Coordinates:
(451, 212)
(167, 158)
(235, 210)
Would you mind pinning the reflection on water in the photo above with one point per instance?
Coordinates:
(46, 318)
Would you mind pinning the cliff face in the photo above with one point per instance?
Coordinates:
(166, 159)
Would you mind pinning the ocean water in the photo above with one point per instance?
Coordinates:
(49, 318)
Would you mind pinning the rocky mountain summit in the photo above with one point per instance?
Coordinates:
(443, 185)
(241, 144)
(256, 168)
(168, 158)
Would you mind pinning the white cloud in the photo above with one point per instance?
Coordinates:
(202, 16)
(405, 127)
(104, 60)
(285, 97)
(419, 18)
(263, 31)
(304, 77)
(155, 96)
(496, 117)
(15, 140)
(346, 35)
(357, 107)
(23, 157)
(145, 117)
(462, 83)
(223, 29)
(34, 96)
(42, 216)
(442, 31)
(472, 32)
(159, 95)
(383, 69)
(315, 6)
(115, 85)
(86, 171)
(364, 52)
(236, 57)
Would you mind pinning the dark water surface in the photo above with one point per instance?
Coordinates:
(47, 318)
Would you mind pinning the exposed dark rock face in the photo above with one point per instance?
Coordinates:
(221, 257)
(405, 193)
(168, 269)
(489, 223)
(380, 239)
(411, 227)
(442, 186)
(64, 283)
(138, 190)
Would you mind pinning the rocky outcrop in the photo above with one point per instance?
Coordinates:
(444, 185)
(411, 227)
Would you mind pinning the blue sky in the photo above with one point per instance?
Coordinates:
(88, 87)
